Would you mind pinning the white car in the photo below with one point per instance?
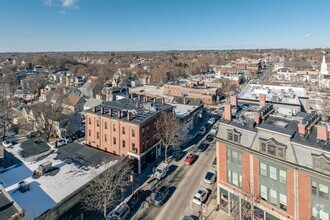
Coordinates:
(201, 131)
(7, 143)
(210, 177)
(61, 142)
(200, 196)
(211, 121)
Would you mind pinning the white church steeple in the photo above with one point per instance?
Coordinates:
(324, 68)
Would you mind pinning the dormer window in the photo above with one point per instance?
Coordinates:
(321, 163)
(272, 147)
(234, 136)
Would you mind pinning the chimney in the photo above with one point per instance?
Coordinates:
(233, 100)
(257, 119)
(302, 129)
(322, 133)
(262, 100)
(146, 98)
(131, 96)
(110, 112)
(163, 101)
(119, 114)
(155, 100)
(94, 109)
(227, 113)
(128, 116)
(102, 110)
(139, 97)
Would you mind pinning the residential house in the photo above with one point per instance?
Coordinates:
(73, 102)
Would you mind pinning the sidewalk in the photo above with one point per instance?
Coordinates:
(211, 213)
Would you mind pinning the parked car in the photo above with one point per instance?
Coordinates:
(69, 139)
(209, 138)
(202, 147)
(200, 196)
(161, 196)
(211, 121)
(38, 141)
(177, 154)
(29, 136)
(210, 177)
(9, 143)
(190, 217)
(190, 158)
(61, 142)
(80, 134)
(201, 131)
(121, 213)
(136, 198)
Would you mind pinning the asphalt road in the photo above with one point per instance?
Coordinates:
(184, 181)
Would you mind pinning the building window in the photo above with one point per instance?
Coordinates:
(234, 136)
(114, 127)
(327, 168)
(97, 135)
(124, 143)
(97, 123)
(133, 146)
(273, 197)
(234, 178)
(105, 138)
(321, 163)
(89, 121)
(263, 194)
(263, 169)
(89, 133)
(324, 191)
(320, 200)
(283, 202)
(148, 129)
(114, 140)
(272, 172)
(234, 164)
(283, 176)
(314, 188)
(123, 130)
(133, 133)
(105, 125)
(270, 148)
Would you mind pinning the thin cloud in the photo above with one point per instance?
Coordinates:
(62, 12)
(29, 32)
(48, 2)
(70, 4)
(307, 36)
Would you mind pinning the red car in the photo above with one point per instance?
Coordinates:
(189, 159)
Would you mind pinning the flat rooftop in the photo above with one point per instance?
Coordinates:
(74, 165)
(7, 207)
(153, 90)
(278, 94)
(182, 111)
(139, 114)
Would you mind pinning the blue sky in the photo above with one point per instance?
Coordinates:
(121, 25)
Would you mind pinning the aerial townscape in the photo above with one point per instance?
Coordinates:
(165, 110)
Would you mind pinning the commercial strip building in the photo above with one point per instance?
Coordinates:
(285, 99)
(277, 162)
(126, 127)
(209, 95)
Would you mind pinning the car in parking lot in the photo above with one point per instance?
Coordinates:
(200, 196)
(202, 147)
(201, 131)
(177, 153)
(209, 138)
(161, 195)
(210, 177)
(136, 198)
(190, 158)
(61, 142)
(9, 143)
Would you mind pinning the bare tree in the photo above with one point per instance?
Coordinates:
(105, 189)
(47, 119)
(325, 108)
(168, 130)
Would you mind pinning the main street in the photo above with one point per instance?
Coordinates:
(184, 181)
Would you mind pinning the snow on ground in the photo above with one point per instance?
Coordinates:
(47, 190)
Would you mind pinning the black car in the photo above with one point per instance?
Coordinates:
(209, 138)
(202, 147)
(136, 198)
(161, 196)
(80, 134)
(177, 154)
(37, 141)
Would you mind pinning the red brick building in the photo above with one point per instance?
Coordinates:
(126, 128)
(273, 166)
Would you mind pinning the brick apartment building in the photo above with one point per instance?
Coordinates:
(208, 95)
(126, 127)
(278, 163)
